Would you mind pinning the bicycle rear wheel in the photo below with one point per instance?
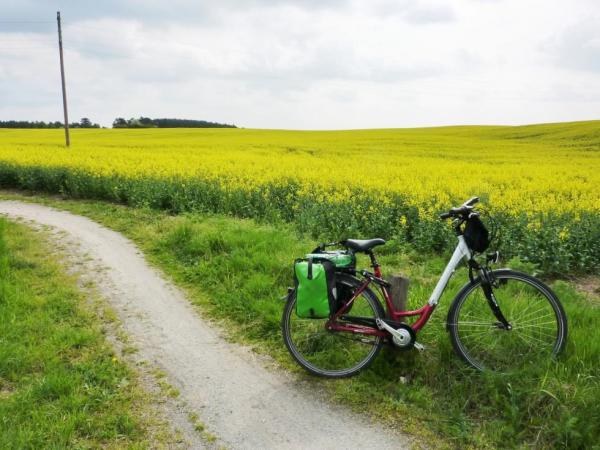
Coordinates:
(327, 353)
(538, 323)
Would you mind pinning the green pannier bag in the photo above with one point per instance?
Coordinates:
(341, 259)
(315, 287)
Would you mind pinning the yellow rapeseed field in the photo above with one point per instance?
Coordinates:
(538, 170)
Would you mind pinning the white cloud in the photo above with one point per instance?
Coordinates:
(306, 64)
(578, 46)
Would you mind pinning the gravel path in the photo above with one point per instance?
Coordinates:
(245, 403)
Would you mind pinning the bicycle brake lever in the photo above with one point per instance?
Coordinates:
(493, 258)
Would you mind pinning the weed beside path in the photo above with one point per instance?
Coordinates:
(236, 271)
(61, 383)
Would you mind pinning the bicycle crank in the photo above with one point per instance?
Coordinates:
(403, 336)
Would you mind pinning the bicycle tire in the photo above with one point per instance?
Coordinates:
(317, 361)
(538, 321)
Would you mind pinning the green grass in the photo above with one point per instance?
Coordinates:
(236, 270)
(61, 384)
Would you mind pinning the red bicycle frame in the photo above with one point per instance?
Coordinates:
(423, 313)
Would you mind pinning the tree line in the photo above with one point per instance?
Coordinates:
(147, 122)
(83, 123)
(119, 122)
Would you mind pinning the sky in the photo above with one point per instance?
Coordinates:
(304, 64)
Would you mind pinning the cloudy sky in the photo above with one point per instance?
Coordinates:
(304, 64)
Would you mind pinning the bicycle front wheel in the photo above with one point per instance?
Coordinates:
(327, 353)
(538, 323)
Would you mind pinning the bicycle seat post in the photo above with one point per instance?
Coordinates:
(374, 264)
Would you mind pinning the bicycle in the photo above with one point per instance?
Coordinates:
(499, 321)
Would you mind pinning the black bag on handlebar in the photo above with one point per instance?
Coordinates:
(476, 235)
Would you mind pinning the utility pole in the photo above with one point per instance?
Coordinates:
(62, 76)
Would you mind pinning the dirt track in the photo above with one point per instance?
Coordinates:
(246, 404)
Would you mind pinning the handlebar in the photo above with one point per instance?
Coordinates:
(324, 245)
(461, 211)
(471, 202)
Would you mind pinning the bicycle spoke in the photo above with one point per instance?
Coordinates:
(358, 339)
(486, 324)
(529, 340)
(537, 318)
(527, 309)
(530, 325)
(532, 314)
(535, 337)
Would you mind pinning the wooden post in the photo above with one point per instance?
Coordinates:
(62, 77)
(399, 291)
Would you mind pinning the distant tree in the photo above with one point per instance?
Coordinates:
(28, 124)
(146, 122)
(142, 122)
(188, 123)
(84, 123)
(134, 123)
(119, 122)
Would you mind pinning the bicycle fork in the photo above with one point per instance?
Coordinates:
(487, 286)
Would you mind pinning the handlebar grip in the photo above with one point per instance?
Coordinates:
(472, 201)
(445, 216)
(321, 248)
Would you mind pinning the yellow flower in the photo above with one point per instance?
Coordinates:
(427, 169)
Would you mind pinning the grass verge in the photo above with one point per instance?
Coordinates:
(236, 270)
(61, 384)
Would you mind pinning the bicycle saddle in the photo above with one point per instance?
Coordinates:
(359, 245)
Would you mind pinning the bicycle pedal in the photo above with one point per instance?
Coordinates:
(419, 347)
